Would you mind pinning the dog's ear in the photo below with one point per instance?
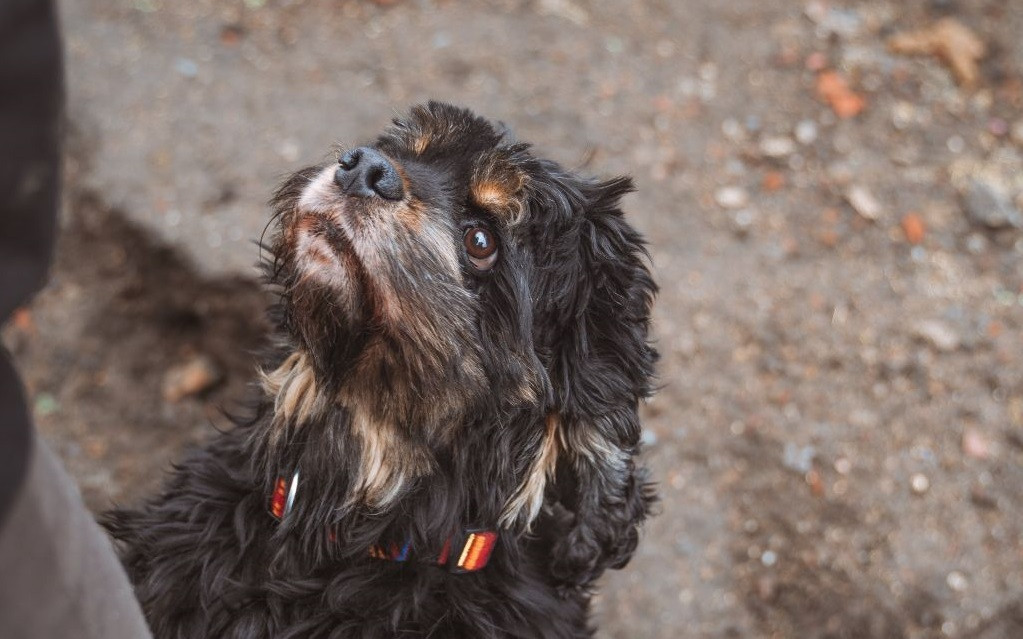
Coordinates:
(601, 366)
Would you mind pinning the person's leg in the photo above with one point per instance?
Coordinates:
(59, 576)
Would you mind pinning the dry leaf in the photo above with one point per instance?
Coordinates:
(950, 41)
(194, 377)
(773, 181)
(833, 89)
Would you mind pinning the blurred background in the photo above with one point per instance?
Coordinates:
(832, 192)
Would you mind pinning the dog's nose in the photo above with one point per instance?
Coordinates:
(366, 172)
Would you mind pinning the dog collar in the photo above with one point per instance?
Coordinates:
(473, 546)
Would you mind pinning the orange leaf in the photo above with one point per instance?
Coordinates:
(833, 89)
(913, 227)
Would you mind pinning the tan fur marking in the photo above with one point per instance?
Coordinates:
(585, 443)
(293, 387)
(528, 499)
(497, 187)
(491, 195)
(420, 143)
(388, 462)
(409, 216)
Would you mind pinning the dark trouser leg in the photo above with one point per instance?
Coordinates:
(59, 576)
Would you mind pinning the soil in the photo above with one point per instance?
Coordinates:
(839, 434)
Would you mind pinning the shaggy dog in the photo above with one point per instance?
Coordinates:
(445, 444)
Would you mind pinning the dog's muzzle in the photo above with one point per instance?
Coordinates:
(365, 172)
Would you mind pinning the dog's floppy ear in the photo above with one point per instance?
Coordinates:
(601, 367)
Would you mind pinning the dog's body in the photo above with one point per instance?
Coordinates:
(462, 347)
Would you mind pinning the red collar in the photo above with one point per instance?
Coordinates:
(473, 547)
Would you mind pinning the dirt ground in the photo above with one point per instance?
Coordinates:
(835, 225)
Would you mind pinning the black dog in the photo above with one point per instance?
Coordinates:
(445, 445)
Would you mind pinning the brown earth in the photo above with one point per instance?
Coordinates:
(839, 438)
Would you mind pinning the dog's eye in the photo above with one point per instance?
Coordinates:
(481, 247)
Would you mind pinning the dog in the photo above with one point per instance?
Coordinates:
(446, 439)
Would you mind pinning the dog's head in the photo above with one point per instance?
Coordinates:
(443, 275)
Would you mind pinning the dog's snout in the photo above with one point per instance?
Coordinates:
(365, 172)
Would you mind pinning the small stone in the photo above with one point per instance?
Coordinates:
(956, 144)
(649, 437)
(45, 404)
(989, 206)
(939, 334)
(769, 558)
(976, 243)
(742, 221)
(566, 10)
(903, 115)
(731, 197)
(975, 445)
(998, 127)
(806, 132)
(186, 67)
(863, 202)
(843, 466)
(777, 147)
(798, 458)
(919, 483)
(192, 378)
(957, 581)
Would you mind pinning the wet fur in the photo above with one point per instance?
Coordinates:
(419, 398)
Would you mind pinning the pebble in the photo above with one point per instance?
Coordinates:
(194, 377)
(731, 197)
(186, 67)
(806, 132)
(769, 558)
(976, 243)
(919, 483)
(743, 220)
(938, 334)
(1017, 133)
(777, 147)
(903, 115)
(863, 202)
(798, 458)
(45, 404)
(957, 581)
(989, 206)
(998, 127)
(975, 445)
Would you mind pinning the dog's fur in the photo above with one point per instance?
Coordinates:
(419, 396)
